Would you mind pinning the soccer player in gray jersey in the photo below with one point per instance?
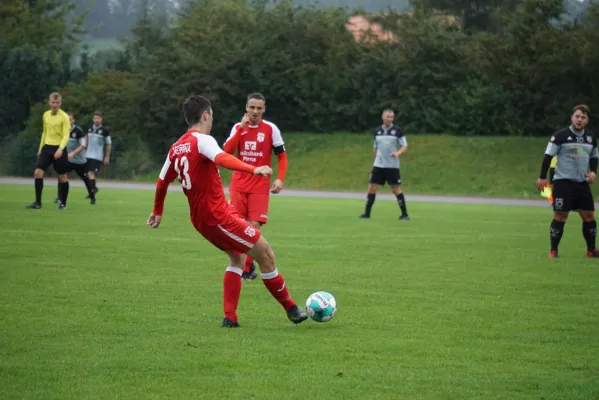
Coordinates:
(77, 160)
(389, 144)
(99, 145)
(577, 161)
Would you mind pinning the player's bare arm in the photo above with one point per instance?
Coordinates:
(232, 142)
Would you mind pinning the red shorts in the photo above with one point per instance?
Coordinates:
(234, 234)
(251, 206)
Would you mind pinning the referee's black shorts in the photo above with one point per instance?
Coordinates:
(572, 196)
(379, 176)
(46, 158)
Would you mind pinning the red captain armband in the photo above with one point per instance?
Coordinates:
(159, 196)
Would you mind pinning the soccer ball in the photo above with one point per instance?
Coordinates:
(321, 306)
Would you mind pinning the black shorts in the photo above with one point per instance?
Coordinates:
(379, 176)
(94, 165)
(572, 196)
(80, 169)
(46, 158)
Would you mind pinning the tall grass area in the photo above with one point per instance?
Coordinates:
(433, 164)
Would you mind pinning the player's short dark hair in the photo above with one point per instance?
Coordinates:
(583, 108)
(194, 107)
(98, 113)
(257, 96)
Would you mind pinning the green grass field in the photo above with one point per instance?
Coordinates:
(434, 164)
(459, 303)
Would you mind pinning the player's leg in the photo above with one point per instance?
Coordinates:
(239, 201)
(93, 167)
(61, 166)
(81, 170)
(274, 282)
(394, 180)
(562, 205)
(257, 215)
(584, 202)
(44, 159)
(232, 289)
(376, 179)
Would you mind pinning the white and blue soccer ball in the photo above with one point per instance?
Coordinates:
(321, 306)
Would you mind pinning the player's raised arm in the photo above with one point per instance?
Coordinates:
(167, 175)
(209, 148)
(232, 141)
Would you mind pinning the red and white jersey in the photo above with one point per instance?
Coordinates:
(191, 160)
(255, 147)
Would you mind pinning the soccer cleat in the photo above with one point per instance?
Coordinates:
(593, 253)
(251, 275)
(34, 206)
(364, 216)
(96, 190)
(296, 315)
(92, 201)
(56, 201)
(227, 323)
(404, 218)
(553, 254)
(62, 206)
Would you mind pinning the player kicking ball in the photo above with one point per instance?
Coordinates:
(193, 160)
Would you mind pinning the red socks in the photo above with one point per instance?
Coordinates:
(231, 292)
(249, 260)
(276, 286)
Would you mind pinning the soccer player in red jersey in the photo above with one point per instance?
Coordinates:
(255, 139)
(193, 160)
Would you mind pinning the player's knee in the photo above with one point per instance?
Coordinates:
(396, 190)
(587, 216)
(236, 260)
(91, 175)
(263, 254)
(560, 216)
(38, 173)
(372, 189)
(62, 178)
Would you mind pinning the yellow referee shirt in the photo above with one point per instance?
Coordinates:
(56, 131)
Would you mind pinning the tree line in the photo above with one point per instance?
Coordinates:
(508, 68)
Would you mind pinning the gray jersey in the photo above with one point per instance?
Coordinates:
(387, 141)
(97, 138)
(573, 150)
(76, 139)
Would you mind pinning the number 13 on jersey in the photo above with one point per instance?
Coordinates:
(182, 168)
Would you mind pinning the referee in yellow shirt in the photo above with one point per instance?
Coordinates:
(55, 136)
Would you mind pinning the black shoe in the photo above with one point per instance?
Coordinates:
(365, 216)
(92, 201)
(404, 218)
(250, 276)
(95, 190)
(57, 201)
(227, 323)
(62, 206)
(34, 206)
(296, 315)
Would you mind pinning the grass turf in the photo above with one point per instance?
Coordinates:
(459, 303)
